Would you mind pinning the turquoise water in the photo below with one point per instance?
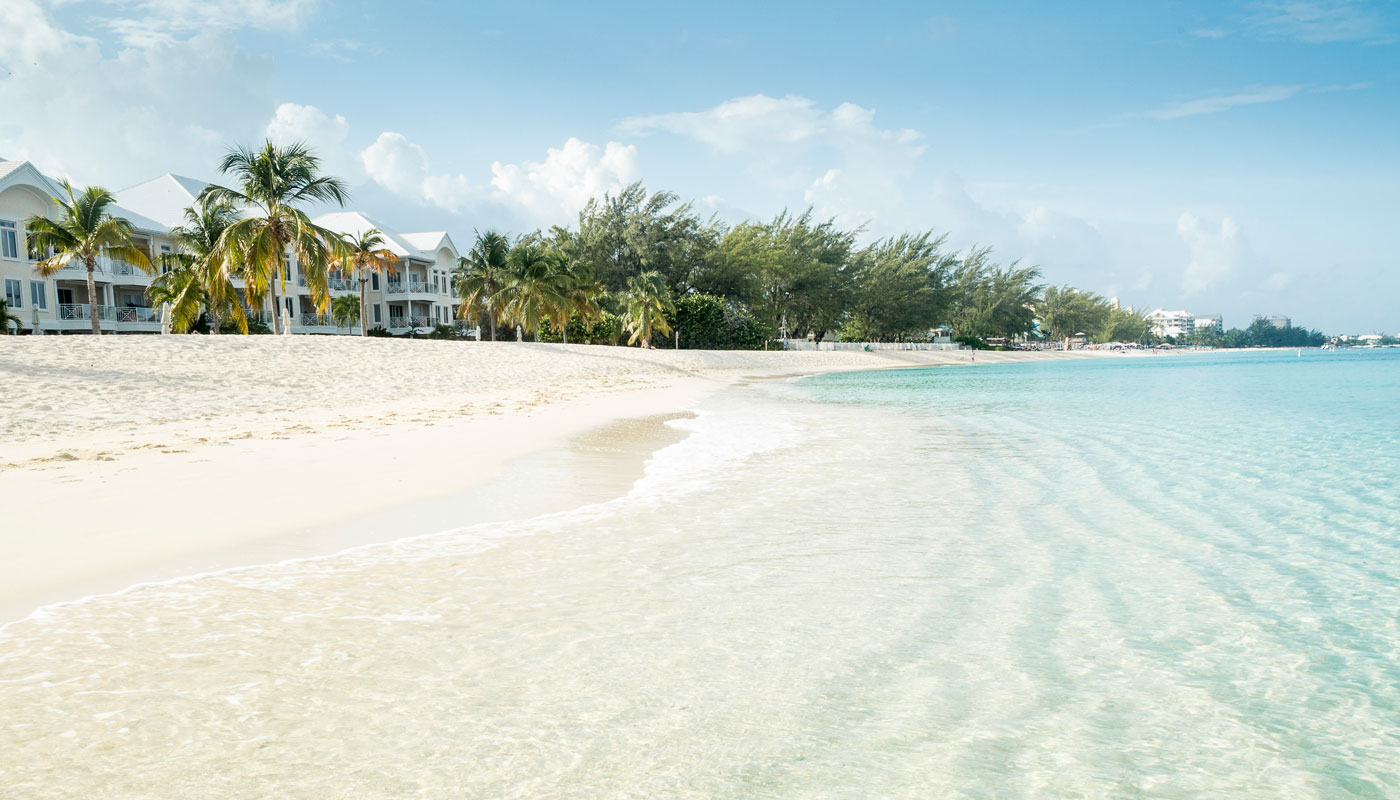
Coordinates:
(1139, 577)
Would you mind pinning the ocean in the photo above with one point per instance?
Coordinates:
(1164, 577)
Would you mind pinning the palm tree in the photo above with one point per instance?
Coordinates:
(84, 233)
(199, 253)
(273, 184)
(581, 297)
(365, 253)
(647, 303)
(345, 310)
(480, 276)
(534, 286)
(6, 318)
(182, 286)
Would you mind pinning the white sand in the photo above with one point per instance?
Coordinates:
(141, 458)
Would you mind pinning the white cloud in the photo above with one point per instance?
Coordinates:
(1278, 281)
(396, 164)
(1209, 33)
(1215, 252)
(1224, 102)
(145, 22)
(543, 193)
(309, 124)
(744, 123)
(1321, 21)
(556, 189)
(168, 104)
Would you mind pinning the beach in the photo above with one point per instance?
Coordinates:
(137, 459)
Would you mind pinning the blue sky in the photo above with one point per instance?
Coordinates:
(1231, 158)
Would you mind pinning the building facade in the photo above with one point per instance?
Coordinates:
(1171, 324)
(416, 296)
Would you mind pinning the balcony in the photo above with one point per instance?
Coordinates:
(82, 311)
(410, 287)
(123, 272)
(136, 314)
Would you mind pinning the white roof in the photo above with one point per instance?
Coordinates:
(163, 199)
(403, 245)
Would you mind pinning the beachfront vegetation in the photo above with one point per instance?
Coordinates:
(345, 312)
(273, 186)
(480, 275)
(84, 232)
(647, 306)
(8, 320)
(363, 254)
(196, 279)
(1260, 333)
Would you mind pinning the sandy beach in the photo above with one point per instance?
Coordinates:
(138, 459)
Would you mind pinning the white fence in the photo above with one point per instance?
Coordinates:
(803, 344)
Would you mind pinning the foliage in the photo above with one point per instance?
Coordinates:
(256, 327)
(363, 254)
(534, 288)
(273, 184)
(988, 300)
(605, 328)
(197, 279)
(345, 310)
(647, 304)
(898, 288)
(380, 331)
(84, 232)
(7, 319)
(1260, 333)
(441, 331)
(707, 322)
(479, 278)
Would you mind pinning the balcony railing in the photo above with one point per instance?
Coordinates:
(80, 311)
(319, 320)
(137, 314)
(398, 322)
(343, 284)
(123, 268)
(423, 322)
(410, 286)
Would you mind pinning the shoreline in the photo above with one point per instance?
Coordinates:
(205, 492)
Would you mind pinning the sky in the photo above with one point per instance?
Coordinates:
(1231, 158)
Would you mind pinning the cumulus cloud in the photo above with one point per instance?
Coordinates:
(298, 123)
(1215, 251)
(744, 123)
(556, 189)
(162, 104)
(545, 192)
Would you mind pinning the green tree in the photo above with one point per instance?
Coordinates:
(800, 267)
(6, 318)
(197, 277)
(535, 285)
(274, 183)
(898, 287)
(84, 232)
(647, 305)
(990, 300)
(1066, 311)
(364, 254)
(345, 311)
(479, 278)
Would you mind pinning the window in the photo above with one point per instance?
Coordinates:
(376, 313)
(12, 293)
(38, 296)
(9, 240)
(374, 284)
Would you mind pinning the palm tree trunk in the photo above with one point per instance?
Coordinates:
(214, 320)
(564, 331)
(92, 297)
(363, 308)
(491, 317)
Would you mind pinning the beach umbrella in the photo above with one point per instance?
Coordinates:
(36, 321)
(286, 322)
(164, 318)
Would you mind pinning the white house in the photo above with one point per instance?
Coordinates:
(417, 296)
(1174, 324)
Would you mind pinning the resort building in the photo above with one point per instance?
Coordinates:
(60, 302)
(1210, 322)
(414, 298)
(1275, 321)
(1171, 324)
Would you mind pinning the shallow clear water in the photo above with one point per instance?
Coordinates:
(1165, 577)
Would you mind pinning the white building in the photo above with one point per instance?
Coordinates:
(1276, 320)
(417, 296)
(1173, 324)
(1209, 322)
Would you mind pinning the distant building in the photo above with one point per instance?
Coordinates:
(1276, 321)
(1173, 324)
(1209, 322)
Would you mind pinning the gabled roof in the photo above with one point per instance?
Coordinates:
(431, 241)
(355, 223)
(163, 199)
(16, 172)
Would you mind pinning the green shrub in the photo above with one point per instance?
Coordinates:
(441, 331)
(600, 331)
(706, 322)
(972, 342)
(378, 330)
